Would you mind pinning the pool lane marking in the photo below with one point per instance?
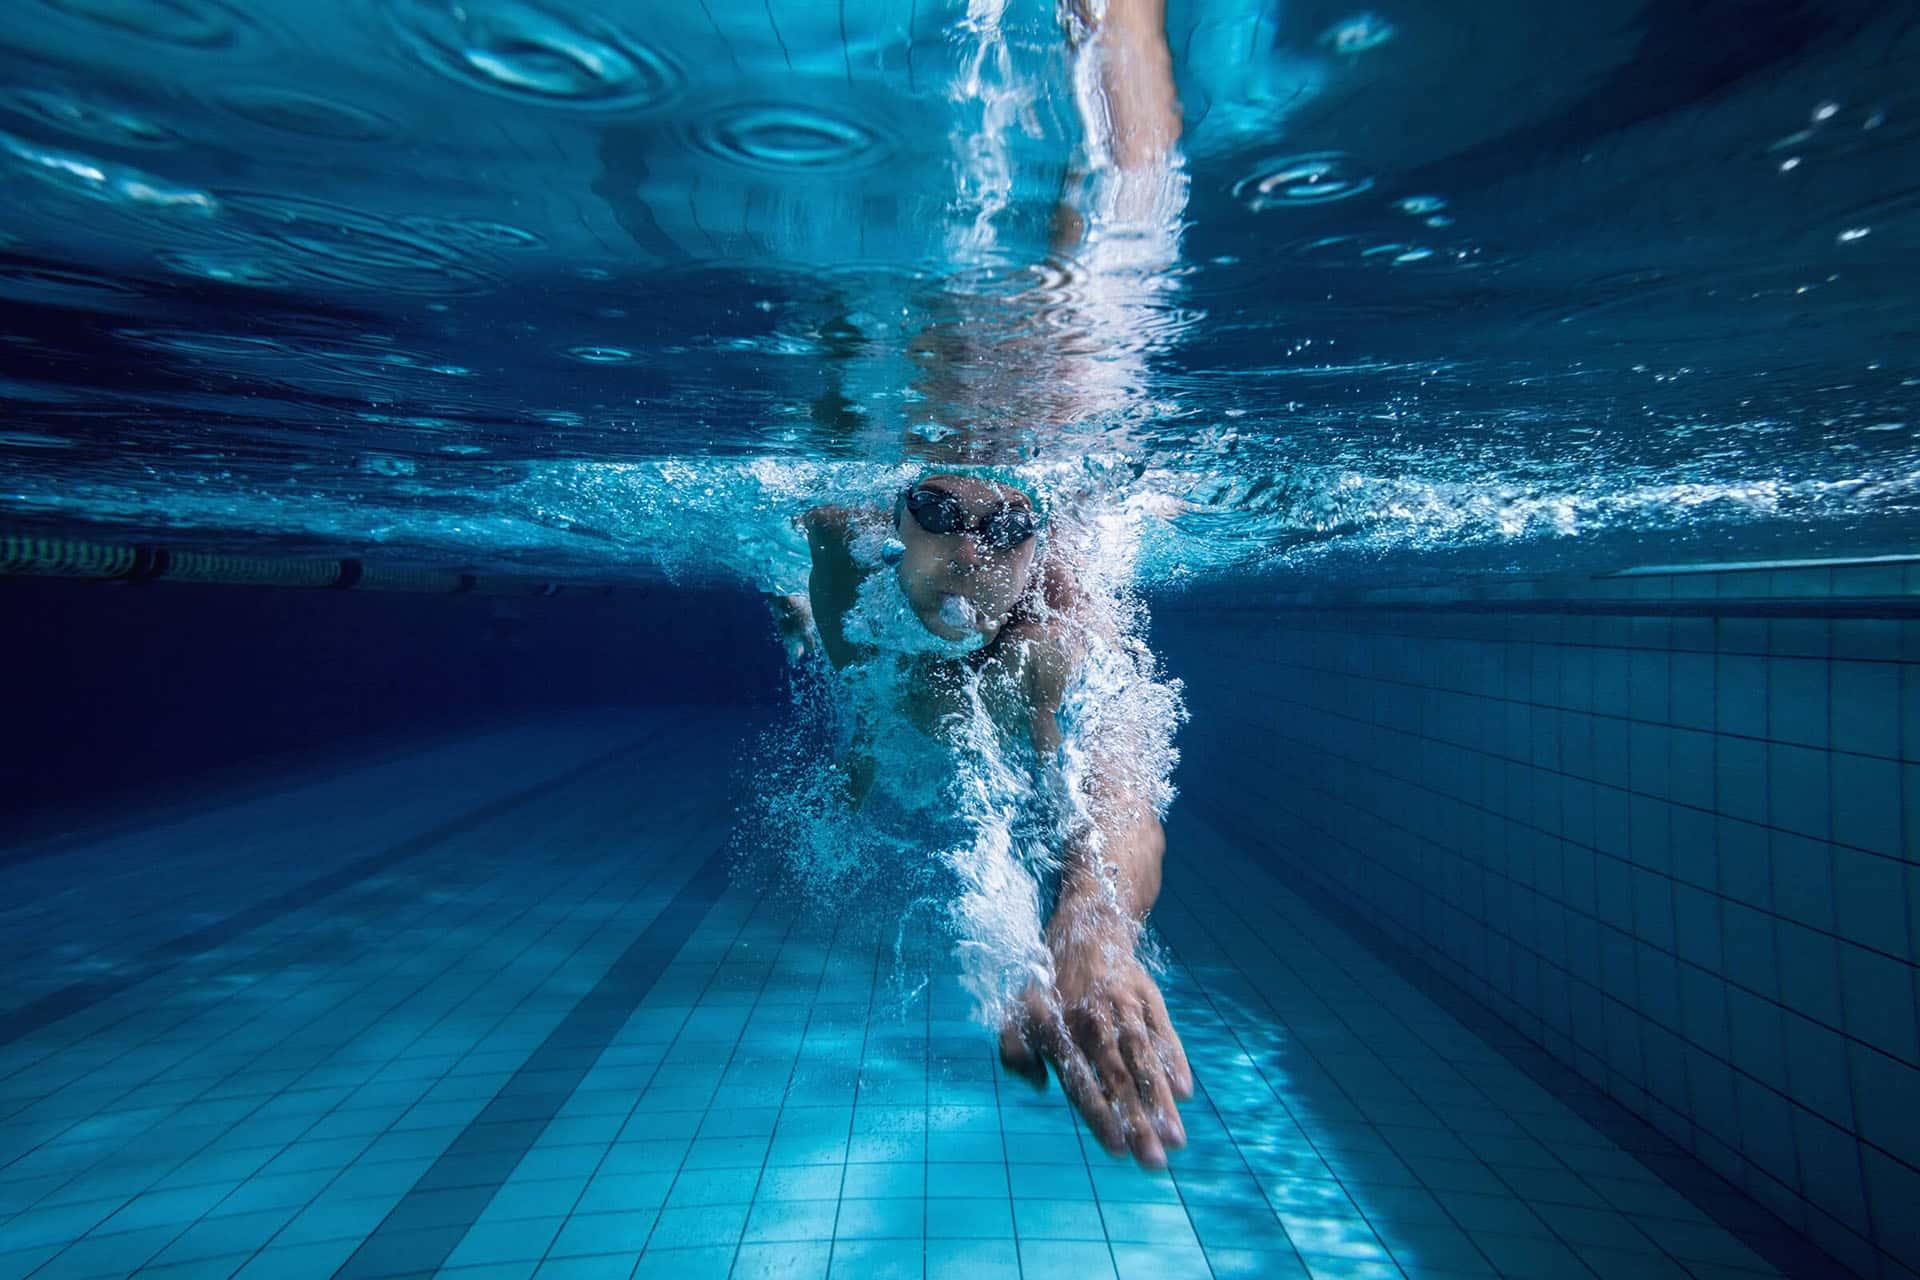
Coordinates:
(423, 1230)
(64, 1002)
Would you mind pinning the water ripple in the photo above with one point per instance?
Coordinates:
(528, 52)
(194, 24)
(91, 179)
(475, 233)
(306, 114)
(60, 286)
(1317, 177)
(598, 355)
(86, 118)
(331, 244)
(780, 136)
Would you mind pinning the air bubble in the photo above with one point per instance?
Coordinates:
(222, 268)
(98, 180)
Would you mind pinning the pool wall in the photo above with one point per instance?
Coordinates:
(1664, 824)
(120, 695)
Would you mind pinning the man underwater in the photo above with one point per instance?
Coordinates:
(966, 561)
(998, 612)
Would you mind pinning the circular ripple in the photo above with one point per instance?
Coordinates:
(306, 114)
(59, 285)
(523, 51)
(112, 184)
(774, 136)
(1357, 34)
(476, 233)
(329, 244)
(598, 355)
(223, 268)
(1318, 177)
(215, 345)
(194, 24)
(95, 121)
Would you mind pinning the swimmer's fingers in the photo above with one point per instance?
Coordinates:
(1149, 1075)
(1160, 1027)
(1102, 1034)
(1016, 1041)
(1082, 1085)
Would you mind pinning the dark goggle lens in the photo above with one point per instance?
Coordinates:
(941, 513)
(937, 512)
(1009, 529)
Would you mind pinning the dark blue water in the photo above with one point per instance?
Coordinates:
(1487, 442)
(520, 283)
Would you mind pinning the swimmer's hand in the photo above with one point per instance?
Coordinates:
(1105, 1028)
(793, 615)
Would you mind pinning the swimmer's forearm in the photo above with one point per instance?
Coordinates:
(1118, 882)
(1128, 38)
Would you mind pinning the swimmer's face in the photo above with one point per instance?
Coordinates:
(957, 583)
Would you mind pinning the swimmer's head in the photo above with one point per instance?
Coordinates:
(969, 547)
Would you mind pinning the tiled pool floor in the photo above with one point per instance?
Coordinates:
(409, 1020)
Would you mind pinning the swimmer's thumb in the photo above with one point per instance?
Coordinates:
(1016, 1047)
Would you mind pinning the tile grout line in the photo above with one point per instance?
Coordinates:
(633, 973)
(1593, 1106)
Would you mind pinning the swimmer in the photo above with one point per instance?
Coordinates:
(995, 593)
(967, 562)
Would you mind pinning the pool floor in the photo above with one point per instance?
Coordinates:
(494, 1008)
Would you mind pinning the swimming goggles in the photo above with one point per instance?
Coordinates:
(940, 512)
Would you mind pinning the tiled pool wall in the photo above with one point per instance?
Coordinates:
(1667, 824)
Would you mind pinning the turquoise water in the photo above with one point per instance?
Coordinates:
(1486, 446)
(610, 294)
(433, 1026)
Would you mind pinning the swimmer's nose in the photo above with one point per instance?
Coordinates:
(966, 554)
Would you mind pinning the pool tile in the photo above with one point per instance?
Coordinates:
(783, 1261)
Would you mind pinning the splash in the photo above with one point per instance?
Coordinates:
(909, 783)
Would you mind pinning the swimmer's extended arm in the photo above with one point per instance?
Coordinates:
(1133, 104)
(1128, 43)
(1105, 1025)
(990, 362)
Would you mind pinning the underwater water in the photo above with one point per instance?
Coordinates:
(1480, 442)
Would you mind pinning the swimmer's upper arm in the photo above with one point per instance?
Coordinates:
(835, 579)
(1046, 667)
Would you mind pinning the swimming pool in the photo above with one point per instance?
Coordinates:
(1467, 460)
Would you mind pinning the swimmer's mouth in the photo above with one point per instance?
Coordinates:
(957, 611)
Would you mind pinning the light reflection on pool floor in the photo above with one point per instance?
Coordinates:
(431, 1029)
